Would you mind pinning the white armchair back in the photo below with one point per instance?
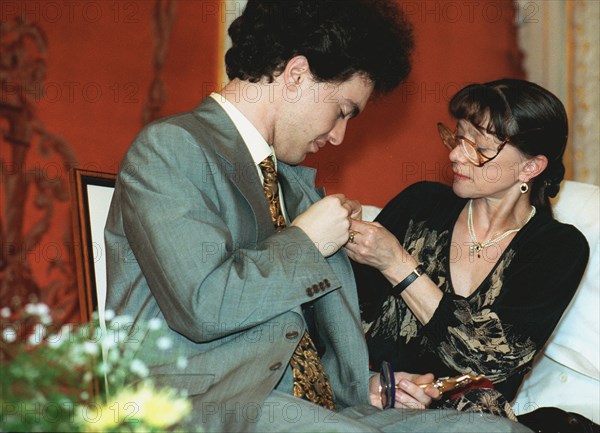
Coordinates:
(567, 374)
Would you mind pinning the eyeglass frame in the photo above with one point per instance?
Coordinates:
(486, 159)
(461, 139)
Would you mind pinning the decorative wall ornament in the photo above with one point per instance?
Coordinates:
(26, 187)
(163, 19)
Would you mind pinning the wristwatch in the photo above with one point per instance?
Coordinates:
(402, 285)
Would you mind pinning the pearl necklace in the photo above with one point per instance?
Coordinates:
(477, 247)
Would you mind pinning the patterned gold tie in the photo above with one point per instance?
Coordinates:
(310, 379)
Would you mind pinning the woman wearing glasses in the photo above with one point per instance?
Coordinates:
(473, 278)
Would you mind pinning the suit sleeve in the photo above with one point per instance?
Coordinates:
(207, 281)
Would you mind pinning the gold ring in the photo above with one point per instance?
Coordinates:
(351, 236)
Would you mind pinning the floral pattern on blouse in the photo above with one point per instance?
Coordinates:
(477, 342)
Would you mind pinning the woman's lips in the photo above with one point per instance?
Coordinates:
(458, 176)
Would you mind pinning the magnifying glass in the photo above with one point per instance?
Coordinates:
(443, 384)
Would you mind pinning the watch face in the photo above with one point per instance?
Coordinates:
(388, 385)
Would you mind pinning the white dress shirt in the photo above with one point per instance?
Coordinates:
(257, 146)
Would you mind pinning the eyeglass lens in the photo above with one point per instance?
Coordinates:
(450, 140)
(469, 151)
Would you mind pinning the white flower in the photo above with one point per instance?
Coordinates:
(90, 348)
(9, 335)
(38, 334)
(63, 336)
(103, 368)
(75, 356)
(42, 309)
(114, 350)
(113, 356)
(55, 341)
(46, 320)
(108, 341)
(154, 324)
(139, 368)
(109, 315)
(40, 329)
(164, 343)
(122, 321)
(33, 340)
(181, 363)
(67, 331)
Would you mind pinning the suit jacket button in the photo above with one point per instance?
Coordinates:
(275, 366)
(291, 335)
(327, 283)
(316, 288)
(322, 285)
(309, 291)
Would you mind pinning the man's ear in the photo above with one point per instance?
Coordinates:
(533, 167)
(296, 70)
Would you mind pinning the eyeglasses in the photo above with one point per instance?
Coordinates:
(474, 153)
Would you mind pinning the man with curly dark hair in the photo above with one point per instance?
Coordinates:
(339, 39)
(223, 238)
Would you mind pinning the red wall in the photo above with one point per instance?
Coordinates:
(99, 69)
(114, 55)
(394, 142)
(99, 66)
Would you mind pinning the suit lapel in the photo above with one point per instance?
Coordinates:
(297, 182)
(298, 185)
(237, 164)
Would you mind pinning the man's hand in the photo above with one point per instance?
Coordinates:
(327, 222)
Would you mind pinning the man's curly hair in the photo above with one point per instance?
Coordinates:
(340, 38)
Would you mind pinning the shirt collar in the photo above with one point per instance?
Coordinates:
(257, 146)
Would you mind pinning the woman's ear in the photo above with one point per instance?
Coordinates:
(533, 167)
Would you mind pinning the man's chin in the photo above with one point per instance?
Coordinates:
(293, 161)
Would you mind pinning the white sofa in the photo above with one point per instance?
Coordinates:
(567, 373)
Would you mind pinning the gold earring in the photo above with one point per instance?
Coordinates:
(524, 188)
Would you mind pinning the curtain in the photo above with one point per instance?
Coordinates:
(560, 41)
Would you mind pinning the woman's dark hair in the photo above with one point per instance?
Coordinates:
(340, 38)
(533, 118)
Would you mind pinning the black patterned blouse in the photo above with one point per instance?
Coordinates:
(499, 328)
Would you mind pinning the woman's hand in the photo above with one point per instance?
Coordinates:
(375, 246)
(409, 393)
(327, 222)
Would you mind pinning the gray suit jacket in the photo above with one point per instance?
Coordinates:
(190, 241)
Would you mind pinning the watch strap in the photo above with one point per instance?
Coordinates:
(410, 278)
